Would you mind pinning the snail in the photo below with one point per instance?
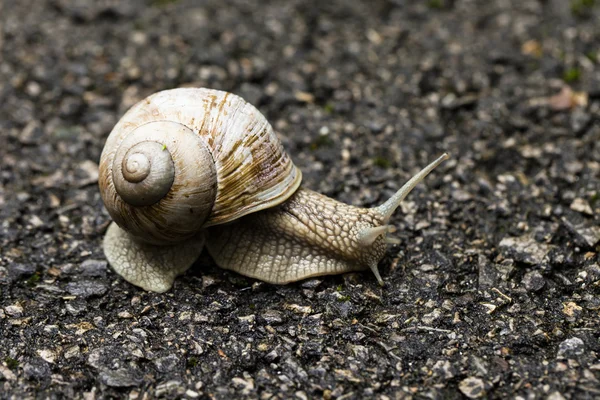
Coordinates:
(192, 167)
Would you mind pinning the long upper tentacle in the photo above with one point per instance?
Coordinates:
(388, 208)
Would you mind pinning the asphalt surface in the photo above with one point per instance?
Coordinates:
(494, 291)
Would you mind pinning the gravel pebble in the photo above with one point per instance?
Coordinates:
(87, 289)
(36, 369)
(555, 396)
(587, 233)
(533, 281)
(19, 271)
(443, 369)
(76, 307)
(32, 133)
(94, 268)
(524, 249)
(570, 348)
(119, 378)
(472, 387)
(167, 363)
(272, 317)
(15, 310)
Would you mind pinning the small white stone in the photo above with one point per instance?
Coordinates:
(472, 387)
(582, 206)
(47, 355)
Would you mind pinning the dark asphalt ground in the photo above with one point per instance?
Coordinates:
(494, 291)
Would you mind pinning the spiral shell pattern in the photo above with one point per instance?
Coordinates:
(184, 159)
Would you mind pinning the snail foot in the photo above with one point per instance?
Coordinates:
(149, 266)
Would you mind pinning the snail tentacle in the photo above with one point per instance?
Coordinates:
(388, 208)
(367, 236)
(392, 240)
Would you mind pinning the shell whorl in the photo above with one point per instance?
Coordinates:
(184, 159)
(161, 183)
(146, 173)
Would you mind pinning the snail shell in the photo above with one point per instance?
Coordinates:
(184, 159)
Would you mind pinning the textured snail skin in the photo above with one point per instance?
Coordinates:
(308, 235)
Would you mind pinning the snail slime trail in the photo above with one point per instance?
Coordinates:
(173, 177)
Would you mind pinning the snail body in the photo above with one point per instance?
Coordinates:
(186, 168)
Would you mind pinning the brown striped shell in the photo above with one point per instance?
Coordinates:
(184, 159)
